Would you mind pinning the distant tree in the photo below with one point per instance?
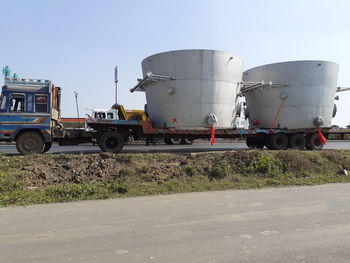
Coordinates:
(348, 126)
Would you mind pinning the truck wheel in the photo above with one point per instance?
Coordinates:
(314, 142)
(255, 143)
(172, 141)
(47, 147)
(278, 141)
(186, 141)
(111, 142)
(29, 143)
(297, 141)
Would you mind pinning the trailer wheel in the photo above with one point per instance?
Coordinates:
(172, 141)
(47, 147)
(128, 139)
(186, 141)
(314, 142)
(111, 142)
(278, 141)
(255, 143)
(297, 141)
(30, 142)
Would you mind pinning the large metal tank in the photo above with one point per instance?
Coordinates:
(293, 95)
(197, 87)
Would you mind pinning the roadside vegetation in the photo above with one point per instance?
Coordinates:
(66, 177)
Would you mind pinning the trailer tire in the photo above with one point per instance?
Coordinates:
(255, 143)
(314, 142)
(30, 142)
(172, 141)
(297, 141)
(278, 141)
(47, 147)
(186, 141)
(128, 139)
(111, 142)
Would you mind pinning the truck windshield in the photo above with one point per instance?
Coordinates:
(17, 102)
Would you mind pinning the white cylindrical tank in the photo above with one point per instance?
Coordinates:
(301, 95)
(204, 84)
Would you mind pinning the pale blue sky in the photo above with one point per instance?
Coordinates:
(76, 44)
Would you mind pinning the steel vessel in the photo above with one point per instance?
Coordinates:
(191, 88)
(292, 95)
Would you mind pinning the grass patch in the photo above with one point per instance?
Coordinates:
(62, 178)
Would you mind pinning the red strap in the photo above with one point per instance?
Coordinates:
(322, 138)
(278, 113)
(212, 135)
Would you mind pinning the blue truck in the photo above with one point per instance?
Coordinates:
(30, 115)
(29, 109)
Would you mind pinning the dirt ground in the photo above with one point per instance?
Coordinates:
(47, 169)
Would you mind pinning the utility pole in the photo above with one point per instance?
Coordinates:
(76, 103)
(116, 83)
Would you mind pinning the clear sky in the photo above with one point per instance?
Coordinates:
(77, 43)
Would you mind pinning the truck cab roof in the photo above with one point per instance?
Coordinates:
(28, 85)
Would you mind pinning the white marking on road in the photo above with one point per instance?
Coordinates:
(301, 257)
(121, 251)
(267, 232)
(246, 236)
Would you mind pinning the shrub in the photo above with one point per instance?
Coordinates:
(220, 170)
(266, 164)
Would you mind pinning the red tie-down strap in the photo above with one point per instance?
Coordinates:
(322, 138)
(212, 135)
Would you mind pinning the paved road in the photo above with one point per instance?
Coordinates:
(196, 147)
(305, 224)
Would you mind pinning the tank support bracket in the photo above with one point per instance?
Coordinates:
(150, 77)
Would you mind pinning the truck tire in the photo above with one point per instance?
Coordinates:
(186, 141)
(278, 141)
(111, 142)
(314, 142)
(172, 141)
(30, 142)
(297, 141)
(47, 147)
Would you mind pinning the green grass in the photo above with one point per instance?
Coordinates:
(152, 174)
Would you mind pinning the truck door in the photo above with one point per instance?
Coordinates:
(3, 116)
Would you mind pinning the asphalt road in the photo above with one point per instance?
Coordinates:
(304, 224)
(196, 147)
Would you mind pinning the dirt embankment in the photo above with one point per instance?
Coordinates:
(43, 170)
(64, 177)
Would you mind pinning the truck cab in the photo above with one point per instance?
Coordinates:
(29, 109)
(105, 114)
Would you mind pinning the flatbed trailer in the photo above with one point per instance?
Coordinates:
(341, 132)
(110, 133)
